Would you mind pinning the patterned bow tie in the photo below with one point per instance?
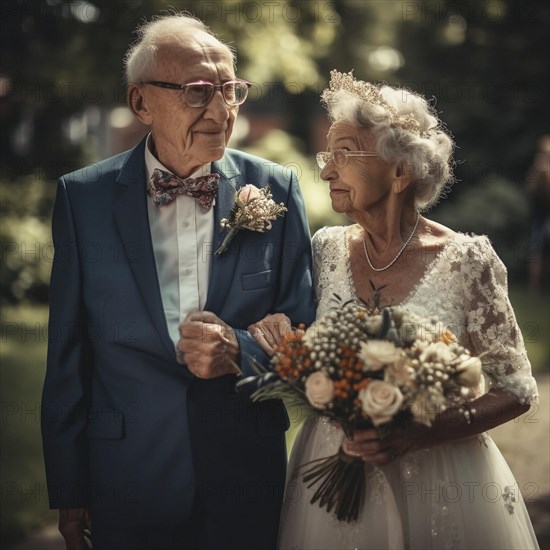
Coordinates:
(165, 187)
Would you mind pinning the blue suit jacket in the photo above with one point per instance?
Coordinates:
(127, 430)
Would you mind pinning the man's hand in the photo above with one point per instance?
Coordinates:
(207, 345)
(74, 525)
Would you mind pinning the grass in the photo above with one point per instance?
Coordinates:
(23, 359)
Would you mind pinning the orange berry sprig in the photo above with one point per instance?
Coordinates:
(291, 357)
(350, 368)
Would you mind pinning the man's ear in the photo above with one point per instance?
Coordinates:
(401, 178)
(138, 105)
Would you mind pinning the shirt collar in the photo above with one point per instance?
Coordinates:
(151, 162)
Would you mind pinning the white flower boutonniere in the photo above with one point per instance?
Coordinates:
(254, 210)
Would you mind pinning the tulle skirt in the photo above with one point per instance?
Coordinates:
(459, 495)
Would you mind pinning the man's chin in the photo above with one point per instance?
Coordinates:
(216, 153)
(213, 149)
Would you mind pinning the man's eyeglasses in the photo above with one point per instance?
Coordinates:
(199, 94)
(340, 157)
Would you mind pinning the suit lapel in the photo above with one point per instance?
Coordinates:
(132, 220)
(223, 266)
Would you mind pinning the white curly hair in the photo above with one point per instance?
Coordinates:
(425, 150)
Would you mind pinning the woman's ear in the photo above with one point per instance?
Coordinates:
(138, 105)
(401, 178)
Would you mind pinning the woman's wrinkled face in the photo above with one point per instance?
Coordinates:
(363, 182)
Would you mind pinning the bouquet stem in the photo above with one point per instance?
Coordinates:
(341, 480)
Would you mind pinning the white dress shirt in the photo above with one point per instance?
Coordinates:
(182, 234)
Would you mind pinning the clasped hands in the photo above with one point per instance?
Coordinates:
(370, 447)
(207, 345)
(270, 331)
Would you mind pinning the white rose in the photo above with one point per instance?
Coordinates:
(469, 372)
(380, 401)
(319, 389)
(377, 353)
(247, 193)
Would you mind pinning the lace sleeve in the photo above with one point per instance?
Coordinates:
(331, 275)
(491, 324)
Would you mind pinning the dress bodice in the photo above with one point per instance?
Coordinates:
(465, 286)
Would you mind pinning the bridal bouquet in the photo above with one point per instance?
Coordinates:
(367, 366)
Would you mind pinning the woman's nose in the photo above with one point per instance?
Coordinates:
(328, 172)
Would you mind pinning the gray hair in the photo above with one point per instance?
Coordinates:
(426, 152)
(139, 60)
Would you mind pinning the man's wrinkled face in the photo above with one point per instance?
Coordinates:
(187, 137)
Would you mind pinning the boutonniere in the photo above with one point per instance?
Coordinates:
(254, 209)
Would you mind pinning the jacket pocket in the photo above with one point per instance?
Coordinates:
(254, 281)
(106, 424)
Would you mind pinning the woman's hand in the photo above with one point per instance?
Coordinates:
(368, 445)
(487, 412)
(270, 331)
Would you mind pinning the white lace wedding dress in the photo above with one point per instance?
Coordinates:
(458, 495)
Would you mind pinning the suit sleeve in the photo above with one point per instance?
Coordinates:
(65, 394)
(295, 295)
(294, 289)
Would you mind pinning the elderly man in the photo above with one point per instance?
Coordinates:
(143, 432)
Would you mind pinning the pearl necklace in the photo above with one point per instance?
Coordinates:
(398, 254)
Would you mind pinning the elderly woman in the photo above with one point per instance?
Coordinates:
(444, 486)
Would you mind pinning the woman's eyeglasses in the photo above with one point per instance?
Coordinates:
(340, 157)
(199, 94)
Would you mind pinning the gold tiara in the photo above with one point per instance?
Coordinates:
(369, 93)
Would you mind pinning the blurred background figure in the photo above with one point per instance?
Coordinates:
(538, 186)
